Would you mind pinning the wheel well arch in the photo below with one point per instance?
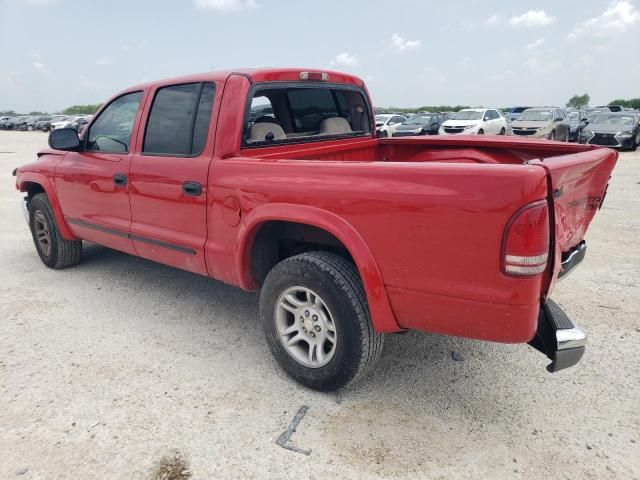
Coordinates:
(303, 228)
(32, 189)
(276, 240)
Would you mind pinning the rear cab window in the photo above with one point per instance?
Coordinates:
(301, 112)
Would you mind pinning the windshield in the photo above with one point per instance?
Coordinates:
(418, 120)
(518, 109)
(536, 115)
(604, 119)
(467, 115)
(574, 115)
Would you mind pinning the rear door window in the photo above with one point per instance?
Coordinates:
(178, 123)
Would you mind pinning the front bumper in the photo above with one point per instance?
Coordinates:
(558, 337)
(613, 140)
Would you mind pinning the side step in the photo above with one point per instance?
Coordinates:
(561, 340)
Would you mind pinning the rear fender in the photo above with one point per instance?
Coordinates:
(26, 178)
(382, 316)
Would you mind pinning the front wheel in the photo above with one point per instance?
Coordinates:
(54, 251)
(383, 134)
(552, 135)
(502, 131)
(480, 132)
(315, 317)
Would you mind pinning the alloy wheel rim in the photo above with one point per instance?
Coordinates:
(43, 236)
(305, 327)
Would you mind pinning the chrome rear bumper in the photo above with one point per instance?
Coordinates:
(558, 337)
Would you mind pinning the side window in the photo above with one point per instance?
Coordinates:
(396, 119)
(179, 120)
(111, 131)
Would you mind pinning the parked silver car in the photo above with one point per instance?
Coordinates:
(542, 122)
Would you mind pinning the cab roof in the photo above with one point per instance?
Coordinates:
(257, 75)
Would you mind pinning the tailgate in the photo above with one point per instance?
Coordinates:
(577, 185)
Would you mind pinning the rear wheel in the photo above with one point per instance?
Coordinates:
(53, 249)
(316, 320)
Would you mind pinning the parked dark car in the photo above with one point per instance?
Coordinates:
(420, 124)
(613, 129)
(79, 124)
(45, 125)
(577, 119)
(22, 123)
(11, 123)
(612, 108)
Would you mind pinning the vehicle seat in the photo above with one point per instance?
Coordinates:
(334, 126)
(259, 132)
(267, 119)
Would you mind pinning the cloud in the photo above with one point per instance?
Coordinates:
(41, 67)
(532, 18)
(535, 44)
(401, 44)
(224, 6)
(615, 20)
(345, 59)
(104, 62)
(493, 19)
(535, 65)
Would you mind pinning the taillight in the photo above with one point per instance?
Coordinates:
(525, 247)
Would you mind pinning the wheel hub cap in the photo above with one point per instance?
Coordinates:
(305, 327)
(42, 232)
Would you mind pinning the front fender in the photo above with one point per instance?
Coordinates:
(382, 316)
(23, 179)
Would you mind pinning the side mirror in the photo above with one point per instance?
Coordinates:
(64, 139)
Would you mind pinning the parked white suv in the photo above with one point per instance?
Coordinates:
(387, 123)
(475, 121)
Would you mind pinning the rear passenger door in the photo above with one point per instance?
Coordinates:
(168, 175)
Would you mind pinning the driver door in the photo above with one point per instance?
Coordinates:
(93, 184)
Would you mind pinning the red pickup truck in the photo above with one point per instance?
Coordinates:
(274, 179)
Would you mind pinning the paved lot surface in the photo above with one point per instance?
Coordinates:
(121, 369)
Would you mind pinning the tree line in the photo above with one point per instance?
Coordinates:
(73, 110)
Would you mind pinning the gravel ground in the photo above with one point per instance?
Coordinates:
(121, 368)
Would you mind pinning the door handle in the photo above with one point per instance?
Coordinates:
(193, 189)
(120, 179)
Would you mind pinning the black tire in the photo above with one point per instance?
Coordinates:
(552, 135)
(61, 253)
(481, 132)
(336, 281)
(503, 131)
(384, 134)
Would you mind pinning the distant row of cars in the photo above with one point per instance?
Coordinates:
(598, 126)
(44, 123)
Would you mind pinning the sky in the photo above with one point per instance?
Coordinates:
(57, 53)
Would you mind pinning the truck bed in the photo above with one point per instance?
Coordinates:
(459, 149)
